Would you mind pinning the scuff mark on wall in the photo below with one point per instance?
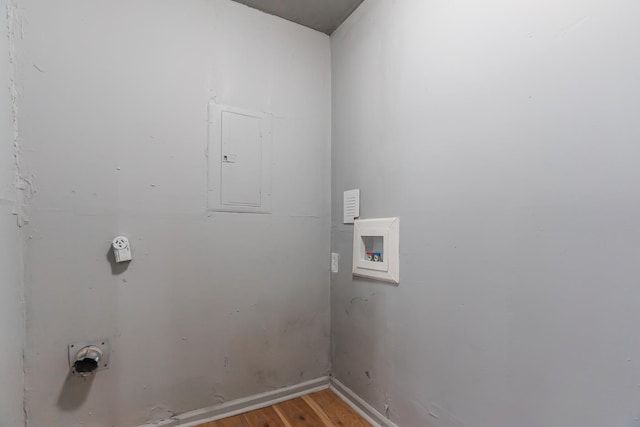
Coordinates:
(299, 323)
(11, 22)
(387, 405)
(268, 377)
(23, 181)
(159, 413)
(355, 300)
(443, 418)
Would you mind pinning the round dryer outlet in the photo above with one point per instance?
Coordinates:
(86, 358)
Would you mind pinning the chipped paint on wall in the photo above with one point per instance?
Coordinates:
(12, 326)
(159, 413)
(24, 182)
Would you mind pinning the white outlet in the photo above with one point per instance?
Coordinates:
(335, 261)
(121, 249)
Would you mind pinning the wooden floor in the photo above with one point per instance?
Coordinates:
(319, 409)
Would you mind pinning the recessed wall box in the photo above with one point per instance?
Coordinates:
(376, 249)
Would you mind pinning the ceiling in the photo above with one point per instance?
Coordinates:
(321, 15)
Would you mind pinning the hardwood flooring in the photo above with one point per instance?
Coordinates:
(319, 409)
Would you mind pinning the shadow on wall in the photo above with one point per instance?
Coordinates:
(75, 389)
(116, 267)
(74, 392)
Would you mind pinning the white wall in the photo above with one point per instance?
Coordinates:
(113, 116)
(505, 135)
(11, 308)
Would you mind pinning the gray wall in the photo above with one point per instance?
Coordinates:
(113, 113)
(11, 307)
(505, 135)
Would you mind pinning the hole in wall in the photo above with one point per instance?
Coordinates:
(85, 365)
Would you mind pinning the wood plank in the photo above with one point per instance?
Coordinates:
(337, 410)
(237, 421)
(282, 417)
(318, 410)
(265, 417)
(299, 414)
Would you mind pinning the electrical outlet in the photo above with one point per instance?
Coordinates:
(121, 249)
(335, 261)
(87, 357)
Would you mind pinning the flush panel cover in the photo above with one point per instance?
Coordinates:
(239, 156)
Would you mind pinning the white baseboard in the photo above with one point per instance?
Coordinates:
(246, 404)
(262, 400)
(367, 411)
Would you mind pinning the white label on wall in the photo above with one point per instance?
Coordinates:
(351, 206)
